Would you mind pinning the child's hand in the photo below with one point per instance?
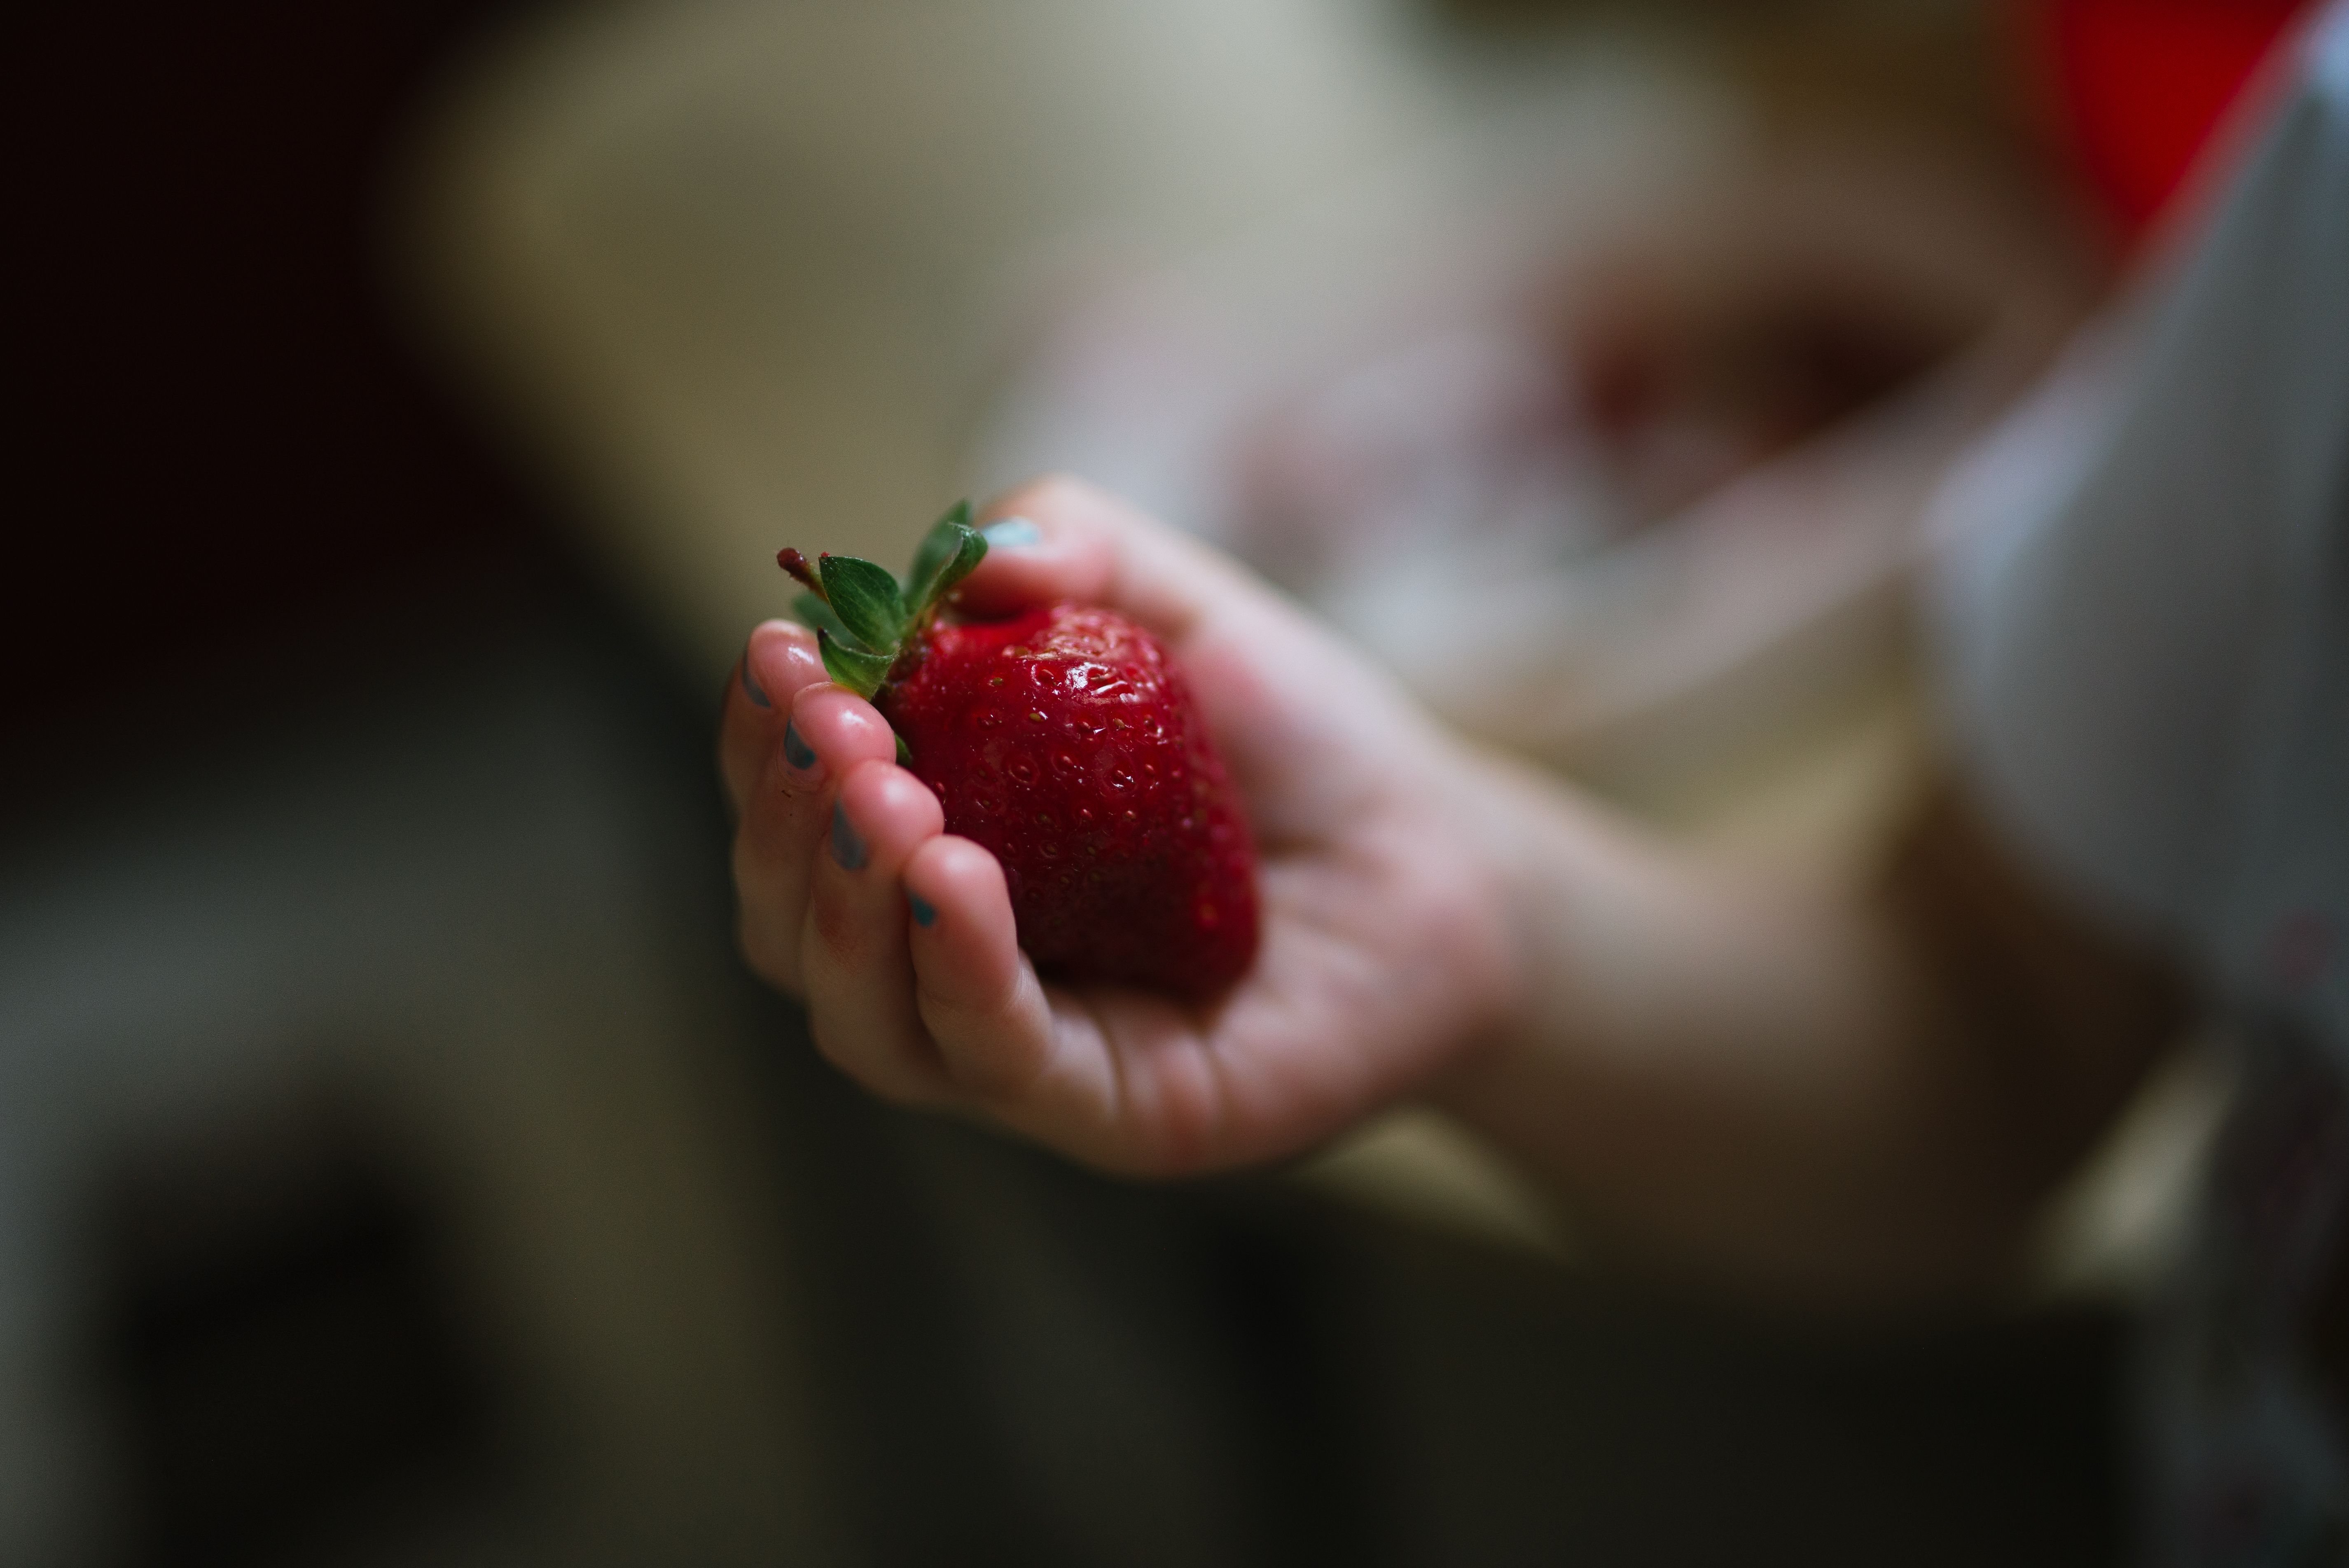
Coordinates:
(1387, 952)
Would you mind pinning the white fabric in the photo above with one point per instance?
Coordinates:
(2145, 603)
(2144, 611)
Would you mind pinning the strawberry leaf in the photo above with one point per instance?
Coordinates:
(861, 672)
(970, 550)
(938, 547)
(864, 597)
(814, 614)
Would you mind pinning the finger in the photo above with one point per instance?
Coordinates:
(777, 661)
(829, 733)
(977, 994)
(1120, 1079)
(1042, 546)
(1302, 723)
(1081, 542)
(859, 977)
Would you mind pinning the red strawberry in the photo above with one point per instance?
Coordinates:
(1065, 742)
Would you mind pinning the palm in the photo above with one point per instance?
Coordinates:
(1378, 948)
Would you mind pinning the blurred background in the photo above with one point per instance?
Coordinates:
(395, 1163)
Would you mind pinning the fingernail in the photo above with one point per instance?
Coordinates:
(1011, 534)
(797, 751)
(924, 915)
(750, 687)
(846, 847)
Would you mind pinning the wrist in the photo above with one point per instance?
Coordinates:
(1578, 898)
(1501, 840)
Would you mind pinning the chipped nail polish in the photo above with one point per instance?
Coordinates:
(751, 686)
(846, 847)
(797, 751)
(924, 915)
(1011, 534)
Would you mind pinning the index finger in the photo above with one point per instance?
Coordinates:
(779, 659)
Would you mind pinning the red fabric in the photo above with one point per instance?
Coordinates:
(2140, 84)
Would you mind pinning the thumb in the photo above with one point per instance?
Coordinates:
(1058, 538)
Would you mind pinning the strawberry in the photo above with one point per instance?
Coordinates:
(1065, 742)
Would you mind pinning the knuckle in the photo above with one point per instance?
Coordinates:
(1179, 1133)
(845, 938)
(999, 1078)
(830, 1046)
(1172, 1156)
(893, 1082)
(769, 960)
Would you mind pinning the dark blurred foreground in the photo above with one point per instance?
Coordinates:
(399, 1169)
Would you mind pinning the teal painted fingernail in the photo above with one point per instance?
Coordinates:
(750, 687)
(846, 847)
(924, 915)
(1011, 534)
(796, 751)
